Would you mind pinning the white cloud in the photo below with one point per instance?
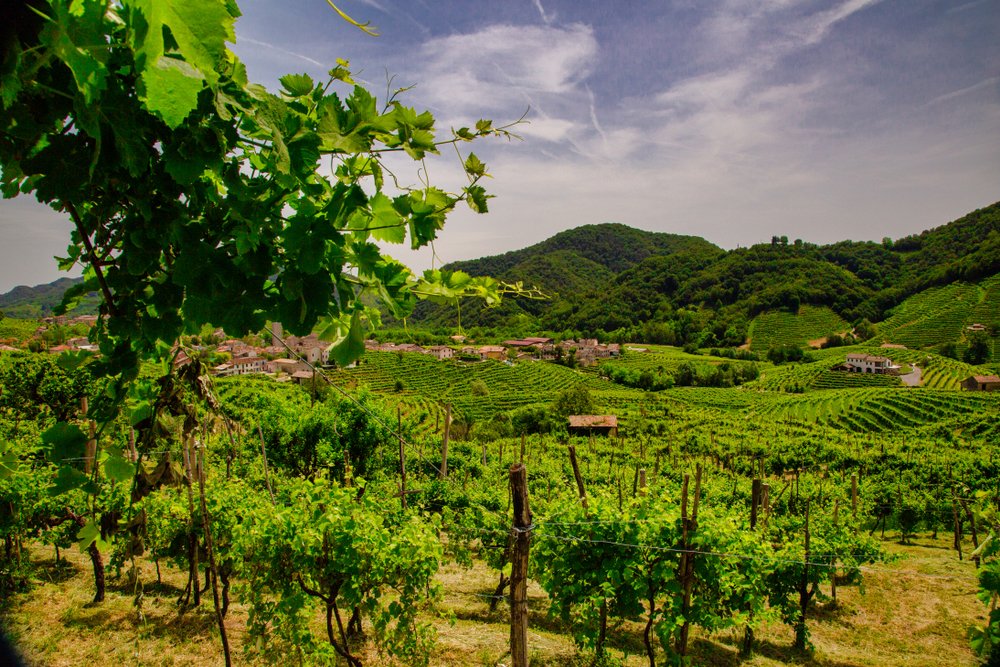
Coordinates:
(501, 65)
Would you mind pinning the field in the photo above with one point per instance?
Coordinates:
(783, 328)
(908, 447)
(940, 314)
(913, 613)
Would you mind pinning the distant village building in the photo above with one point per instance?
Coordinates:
(981, 383)
(868, 363)
(287, 366)
(976, 327)
(597, 424)
(440, 352)
(496, 352)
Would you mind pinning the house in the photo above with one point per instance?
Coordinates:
(538, 340)
(868, 363)
(247, 365)
(440, 352)
(976, 327)
(587, 424)
(287, 366)
(497, 352)
(302, 377)
(981, 383)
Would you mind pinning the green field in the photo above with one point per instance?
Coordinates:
(941, 314)
(774, 328)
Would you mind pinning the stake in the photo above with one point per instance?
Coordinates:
(263, 453)
(579, 479)
(519, 566)
(444, 441)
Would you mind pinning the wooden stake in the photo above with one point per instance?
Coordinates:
(444, 441)
(754, 502)
(522, 448)
(263, 453)
(519, 566)
(642, 481)
(579, 480)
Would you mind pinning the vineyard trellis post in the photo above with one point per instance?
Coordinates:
(579, 479)
(194, 585)
(444, 441)
(521, 533)
(263, 454)
(688, 527)
(800, 625)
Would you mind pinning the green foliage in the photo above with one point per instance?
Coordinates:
(323, 549)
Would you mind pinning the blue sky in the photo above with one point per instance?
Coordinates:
(731, 119)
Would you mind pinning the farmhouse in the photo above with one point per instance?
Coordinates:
(981, 383)
(587, 424)
(868, 363)
(498, 352)
(440, 352)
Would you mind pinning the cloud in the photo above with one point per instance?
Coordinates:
(503, 65)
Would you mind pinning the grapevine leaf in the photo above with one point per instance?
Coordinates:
(89, 534)
(386, 223)
(348, 339)
(76, 36)
(170, 90)
(200, 28)
(119, 469)
(64, 441)
(68, 478)
(297, 85)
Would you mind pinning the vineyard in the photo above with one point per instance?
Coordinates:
(783, 328)
(940, 314)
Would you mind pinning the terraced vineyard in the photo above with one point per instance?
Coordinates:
(940, 314)
(424, 383)
(783, 328)
(881, 410)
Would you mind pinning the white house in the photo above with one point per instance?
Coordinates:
(869, 363)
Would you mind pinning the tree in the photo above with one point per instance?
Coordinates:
(978, 351)
(573, 401)
(197, 196)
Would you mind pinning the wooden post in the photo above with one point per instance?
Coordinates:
(522, 448)
(854, 496)
(833, 577)
(579, 480)
(642, 481)
(211, 553)
(687, 559)
(800, 625)
(519, 566)
(957, 523)
(402, 474)
(444, 441)
(754, 502)
(484, 456)
(263, 453)
(766, 501)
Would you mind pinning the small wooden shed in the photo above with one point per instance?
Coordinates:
(597, 424)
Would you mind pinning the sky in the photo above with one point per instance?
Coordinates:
(733, 120)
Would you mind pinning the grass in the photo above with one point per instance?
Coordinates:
(914, 611)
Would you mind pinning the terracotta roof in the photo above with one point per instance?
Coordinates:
(986, 378)
(593, 421)
(304, 375)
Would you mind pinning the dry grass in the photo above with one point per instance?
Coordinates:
(913, 611)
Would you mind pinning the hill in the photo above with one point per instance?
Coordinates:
(40, 301)
(626, 284)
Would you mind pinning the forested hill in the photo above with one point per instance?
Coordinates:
(613, 278)
(40, 300)
(614, 246)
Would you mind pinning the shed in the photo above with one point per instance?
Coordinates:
(599, 424)
(981, 383)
